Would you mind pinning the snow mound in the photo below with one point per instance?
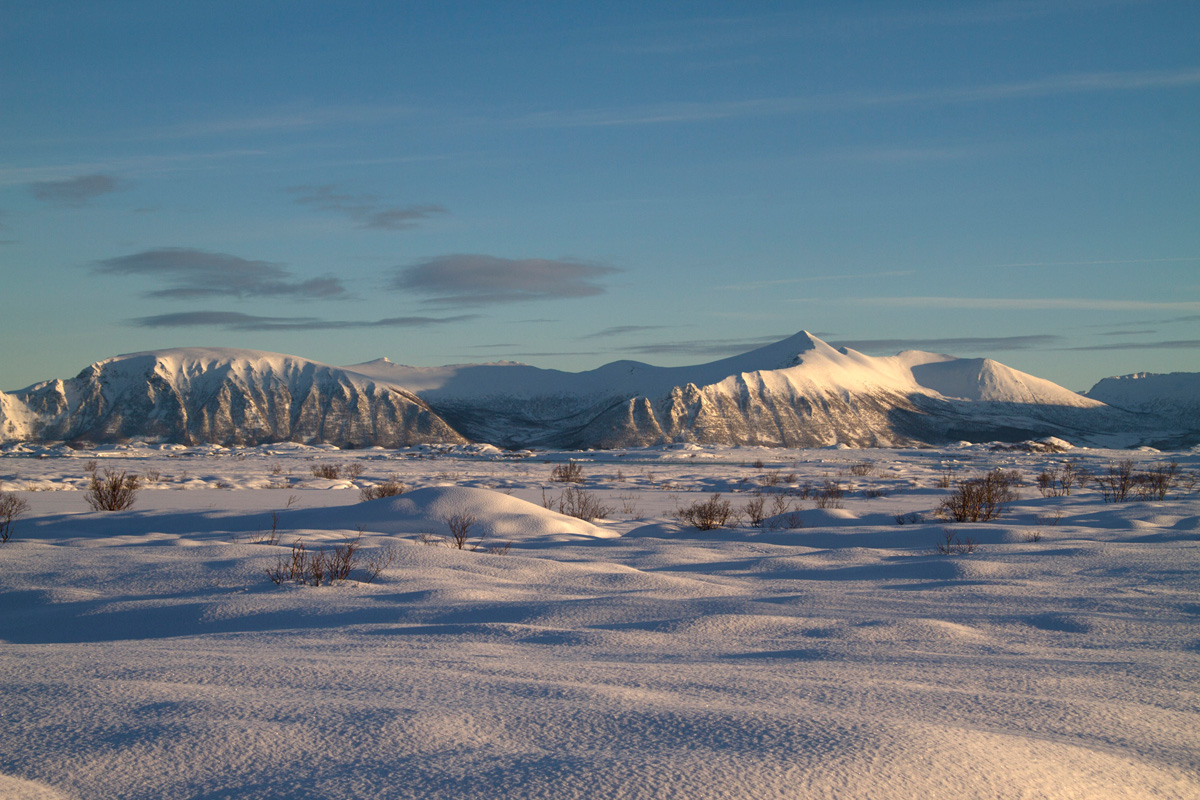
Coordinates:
(498, 516)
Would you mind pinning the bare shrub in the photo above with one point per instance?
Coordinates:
(460, 525)
(1116, 483)
(953, 546)
(112, 491)
(629, 506)
(355, 470)
(946, 478)
(271, 536)
(708, 514)
(328, 471)
(756, 509)
(829, 495)
(317, 567)
(877, 491)
(862, 469)
(388, 488)
(575, 502)
(380, 559)
(979, 499)
(567, 473)
(90, 466)
(11, 507)
(1156, 482)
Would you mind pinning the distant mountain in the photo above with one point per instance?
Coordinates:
(799, 392)
(1173, 397)
(222, 396)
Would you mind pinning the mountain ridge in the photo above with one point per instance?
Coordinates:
(797, 392)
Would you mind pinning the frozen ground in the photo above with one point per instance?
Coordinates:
(830, 653)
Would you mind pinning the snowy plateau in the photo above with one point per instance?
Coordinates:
(753, 586)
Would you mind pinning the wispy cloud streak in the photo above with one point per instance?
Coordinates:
(708, 111)
(365, 209)
(192, 273)
(465, 279)
(77, 191)
(235, 321)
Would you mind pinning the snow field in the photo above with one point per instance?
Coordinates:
(145, 653)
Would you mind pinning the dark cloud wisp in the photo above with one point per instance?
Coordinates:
(365, 209)
(76, 191)
(473, 280)
(970, 344)
(191, 273)
(235, 321)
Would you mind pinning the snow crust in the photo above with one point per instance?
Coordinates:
(829, 653)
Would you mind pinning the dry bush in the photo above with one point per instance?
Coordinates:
(709, 514)
(1156, 482)
(388, 488)
(112, 491)
(460, 525)
(355, 470)
(980, 499)
(862, 469)
(328, 471)
(830, 495)
(1117, 482)
(271, 536)
(11, 507)
(953, 546)
(575, 502)
(567, 473)
(756, 509)
(315, 567)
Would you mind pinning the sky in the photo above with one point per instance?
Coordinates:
(568, 184)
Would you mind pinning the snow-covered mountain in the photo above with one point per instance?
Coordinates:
(799, 392)
(1173, 397)
(222, 396)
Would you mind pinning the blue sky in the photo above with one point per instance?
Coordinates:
(570, 184)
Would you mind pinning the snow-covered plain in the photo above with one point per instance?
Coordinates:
(831, 653)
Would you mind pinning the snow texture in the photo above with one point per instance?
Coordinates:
(829, 653)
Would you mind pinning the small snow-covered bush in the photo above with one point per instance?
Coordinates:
(953, 546)
(386, 489)
(575, 502)
(11, 507)
(315, 567)
(112, 491)
(567, 473)
(328, 471)
(980, 499)
(708, 514)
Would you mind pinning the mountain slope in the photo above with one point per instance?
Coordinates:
(222, 396)
(797, 392)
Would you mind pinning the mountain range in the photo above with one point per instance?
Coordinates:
(798, 392)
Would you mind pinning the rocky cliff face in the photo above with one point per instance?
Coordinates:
(229, 397)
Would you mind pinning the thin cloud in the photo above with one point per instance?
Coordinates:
(77, 191)
(192, 273)
(365, 209)
(1029, 304)
(234, 321)
(471, 280)
(704, 347)
(1177, 344)
(973, 344)
(708, 111)
(621, 330)
(818, 278)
